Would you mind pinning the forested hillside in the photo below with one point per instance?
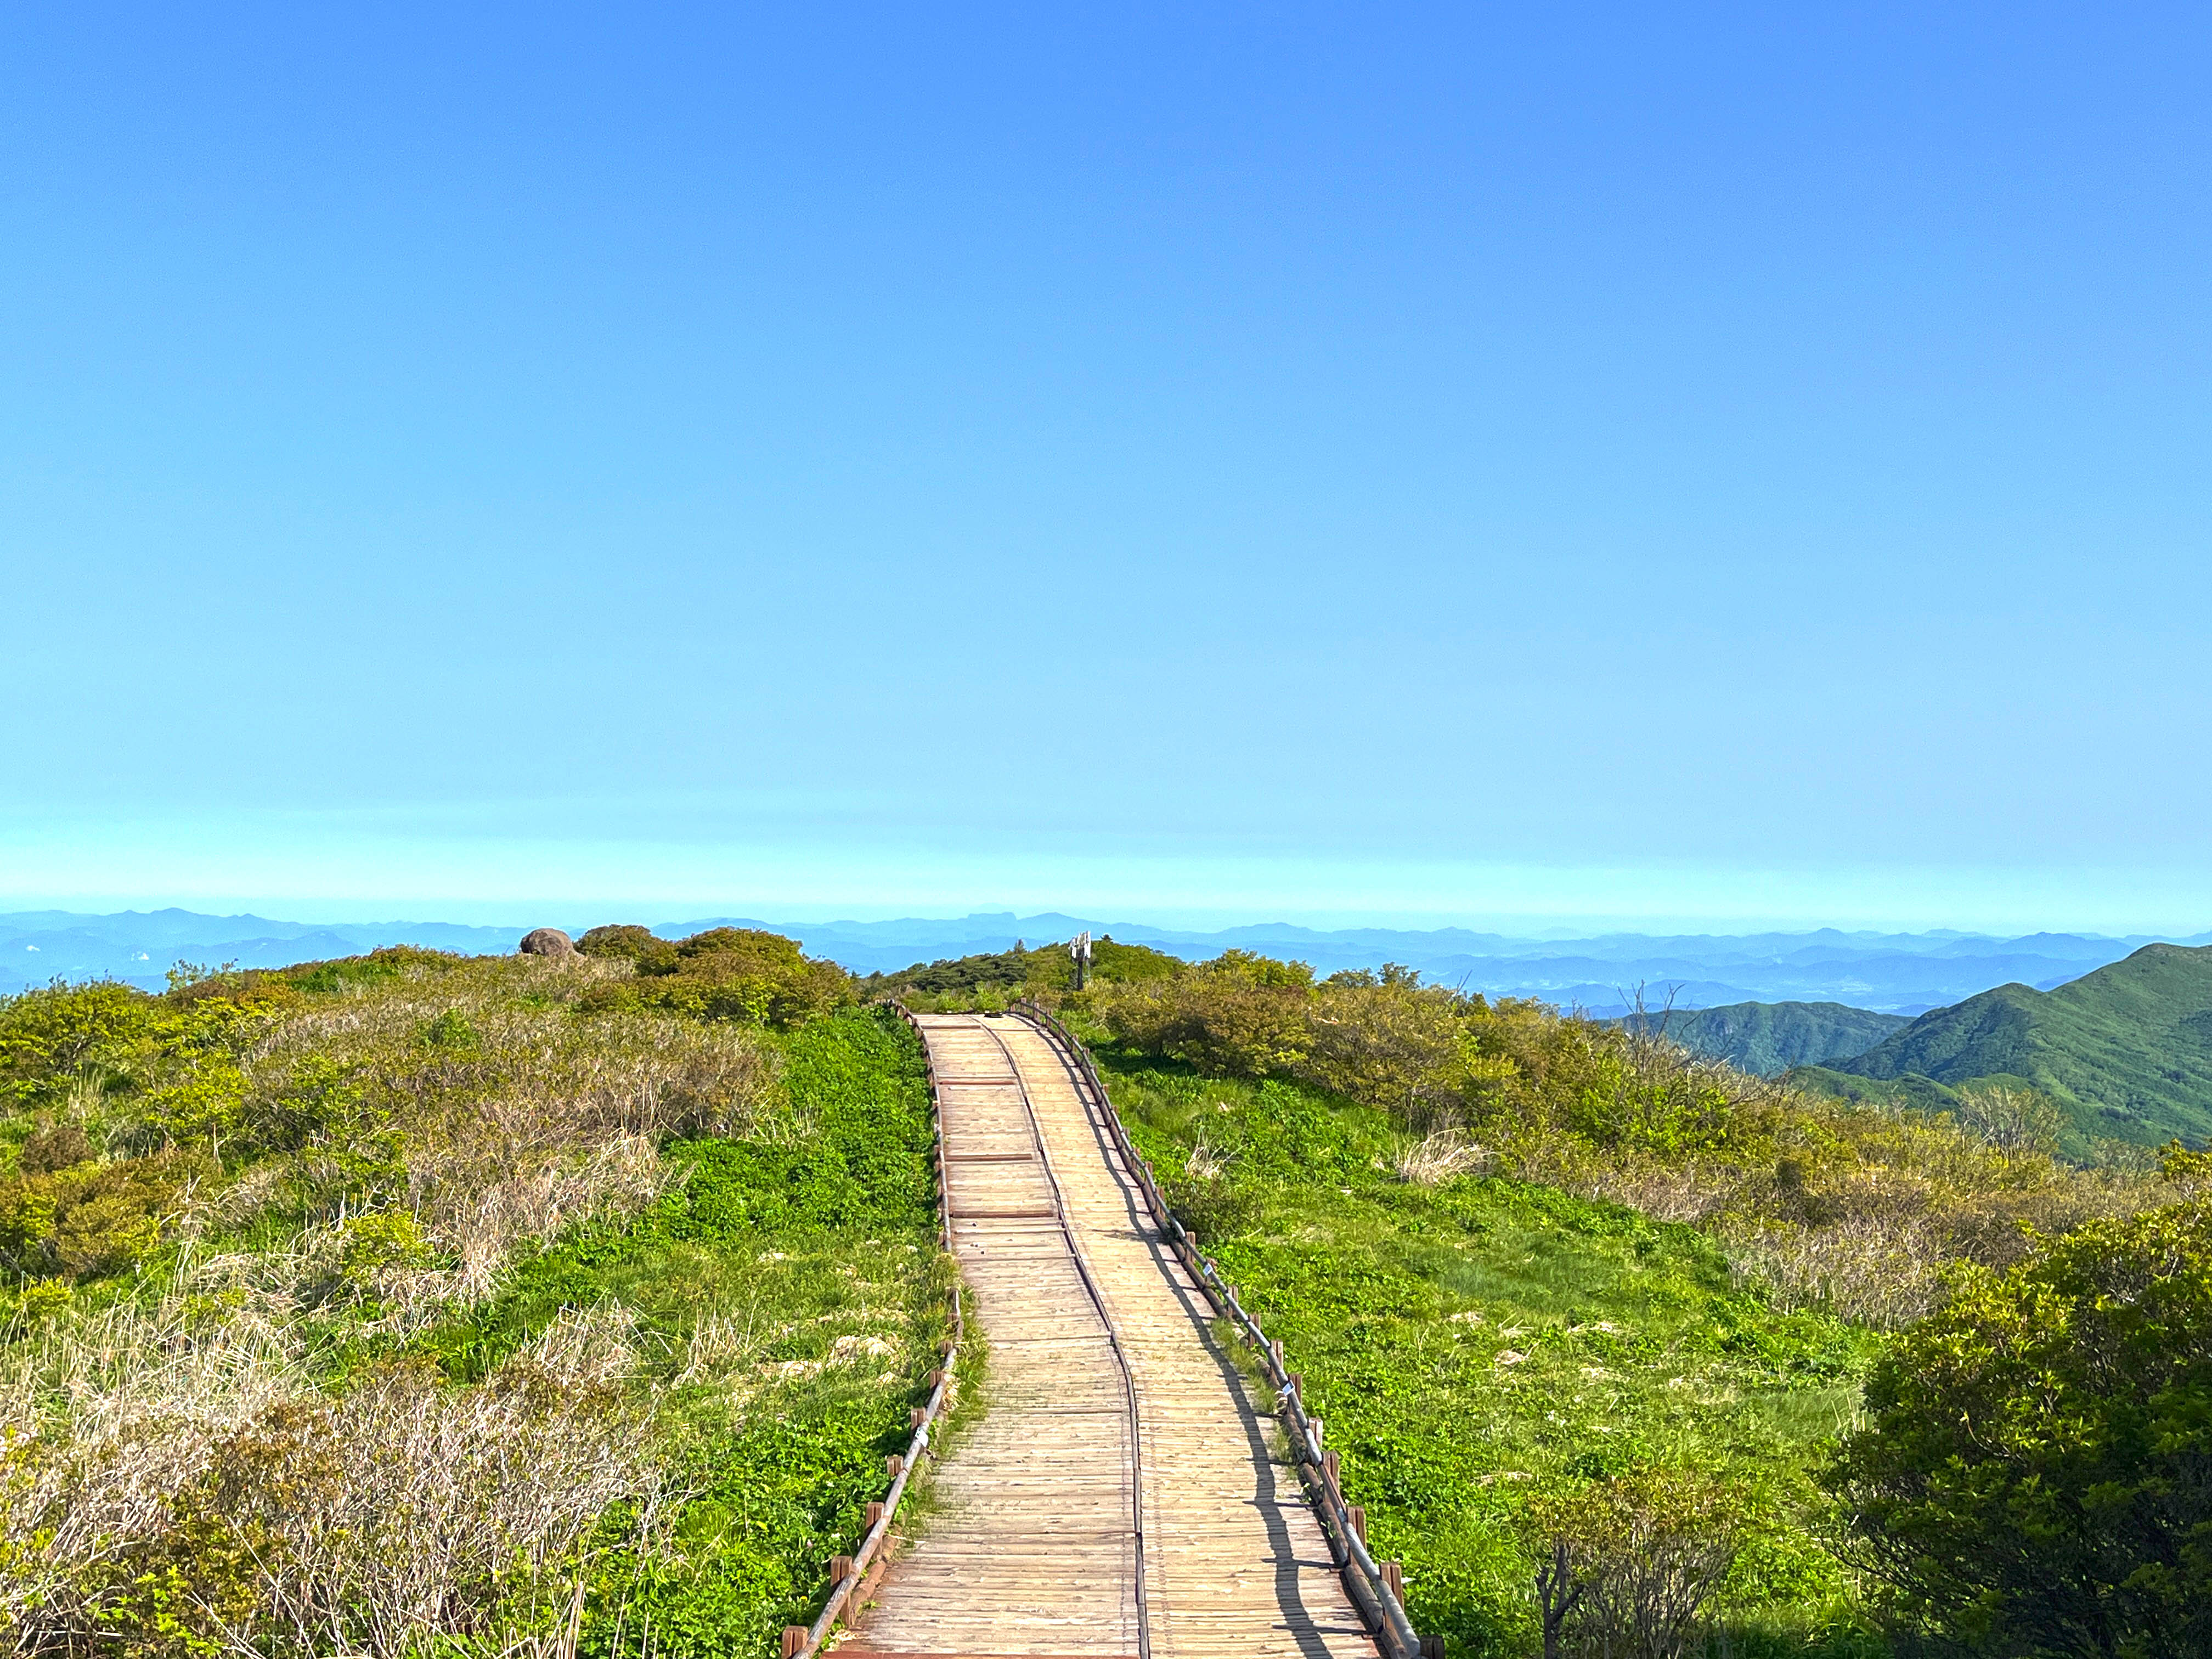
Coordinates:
(2126, 1050)
(1767, 1038)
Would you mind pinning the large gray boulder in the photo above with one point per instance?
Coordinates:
(548, 942)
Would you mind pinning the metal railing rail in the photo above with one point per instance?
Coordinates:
(1375, 1587)
(850, 1573)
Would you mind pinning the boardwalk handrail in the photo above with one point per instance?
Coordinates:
(1374, 1586)
(804, 1642)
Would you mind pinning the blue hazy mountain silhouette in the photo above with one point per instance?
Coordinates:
(1894, 973)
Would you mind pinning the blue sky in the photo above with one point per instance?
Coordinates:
(1671, 465)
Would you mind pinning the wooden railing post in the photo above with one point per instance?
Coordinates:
(794, 1641)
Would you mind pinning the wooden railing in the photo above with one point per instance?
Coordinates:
(1375, 1588)
(853, 1576)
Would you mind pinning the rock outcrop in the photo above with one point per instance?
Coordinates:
(547, 942)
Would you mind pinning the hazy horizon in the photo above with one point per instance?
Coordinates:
(308, 913)
(1895, 973)
(1516, 926)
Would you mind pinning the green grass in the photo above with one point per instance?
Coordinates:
(1472, 1343)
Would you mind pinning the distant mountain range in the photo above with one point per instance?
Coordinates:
(1893, 973)
(139, 947)
(2127, 1049)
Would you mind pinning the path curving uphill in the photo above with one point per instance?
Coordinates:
(1118, 1500)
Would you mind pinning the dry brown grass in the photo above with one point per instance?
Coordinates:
(1855, 1209)
(1442, 1154)
(535, 1078)
(176, 1463)
(541, 1121)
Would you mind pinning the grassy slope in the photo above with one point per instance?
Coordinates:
(776, 1308)
(1768, 1038)
(799, 1247)
(1472, 1343)
(2127, 1049)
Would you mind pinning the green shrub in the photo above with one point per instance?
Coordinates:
(1627, 1565)
(51, 1034)
(452, 1031)
(1131, 964)
(206, 1103)
(740, 975)
(1236, 1016)
(2035, 1472)
(61, 1146)
(1214, 1207)
(92, 1219)
(380, 1240)
(630, 943)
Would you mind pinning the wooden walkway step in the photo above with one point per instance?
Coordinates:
(1040, 1522)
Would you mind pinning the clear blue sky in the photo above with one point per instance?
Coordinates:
(1689, 463)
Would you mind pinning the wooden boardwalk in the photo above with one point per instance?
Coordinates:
(1042, 1517)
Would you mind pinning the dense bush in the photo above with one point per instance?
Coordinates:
(2035, 1474)
(736, 974)
(60, 1040)
(1435, 1059)
(627, 942)
(91, 1218)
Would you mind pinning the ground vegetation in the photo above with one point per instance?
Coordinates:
(413, 1304)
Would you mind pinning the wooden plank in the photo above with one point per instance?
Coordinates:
(1029, 1554)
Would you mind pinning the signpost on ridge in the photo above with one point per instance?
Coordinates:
(1079, 948)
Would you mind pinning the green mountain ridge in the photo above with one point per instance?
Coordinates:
(2127, 1050)
(1769, 1038)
